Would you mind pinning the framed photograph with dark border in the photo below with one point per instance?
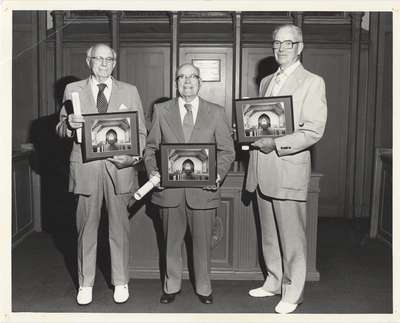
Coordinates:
(263, 117)
(110, 134)
(188, 165)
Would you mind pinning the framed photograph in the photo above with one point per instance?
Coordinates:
(263, 117)
(110, 134)
(210, 69)
(188, 165)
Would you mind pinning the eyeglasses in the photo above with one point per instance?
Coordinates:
(286, 44)
(99, 59)
(190, 77)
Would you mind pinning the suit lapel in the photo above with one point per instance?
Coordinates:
(115, 98)
(88, 105)
(293, 82)
(202, 120)
(265, 85)
(173, 118)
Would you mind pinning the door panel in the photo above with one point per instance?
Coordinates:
(330, 153)
(148, 68)
(219, 92)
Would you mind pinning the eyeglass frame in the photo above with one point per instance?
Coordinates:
(191, 77)
(285, 41)
(99, 59)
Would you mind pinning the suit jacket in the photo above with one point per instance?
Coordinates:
(285, 172)
(84, 176)
(211, 126)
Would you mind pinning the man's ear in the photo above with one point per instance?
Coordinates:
(88, 62)
(300, 48)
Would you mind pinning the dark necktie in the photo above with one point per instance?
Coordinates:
(102, 103)
(188, 124)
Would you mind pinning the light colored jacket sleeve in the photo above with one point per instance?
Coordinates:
(312, 120)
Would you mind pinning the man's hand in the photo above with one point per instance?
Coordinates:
(266, 145)
(75, 121)
(123, 161)
(213, 187)
(156, 173)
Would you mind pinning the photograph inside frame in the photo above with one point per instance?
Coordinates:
(188, 164)
(263, 117)
(260, 119)
(111, 134)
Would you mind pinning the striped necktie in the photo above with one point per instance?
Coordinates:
(188, 124)
(102, 103)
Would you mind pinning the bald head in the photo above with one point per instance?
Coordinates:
(188, 81)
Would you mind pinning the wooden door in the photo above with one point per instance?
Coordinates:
(214, 89)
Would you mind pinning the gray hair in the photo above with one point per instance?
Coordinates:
(92, 48)
(295, 29)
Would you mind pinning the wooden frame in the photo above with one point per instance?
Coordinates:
(110, 134)
(263, 117)
(188, 165)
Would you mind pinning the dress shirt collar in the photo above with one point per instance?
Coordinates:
(95, 89)
(182, 109)
(288, 70)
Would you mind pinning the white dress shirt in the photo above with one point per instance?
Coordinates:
(95, 88)
(183, 111)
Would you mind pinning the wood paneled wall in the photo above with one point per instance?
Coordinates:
(24, 76)
(355, 63)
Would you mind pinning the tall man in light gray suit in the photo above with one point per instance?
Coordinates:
(279, 171)
(113, 179)
(188, 119)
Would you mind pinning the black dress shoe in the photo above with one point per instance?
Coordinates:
(206, 299)
(168, 298)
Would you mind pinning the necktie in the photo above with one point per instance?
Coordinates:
(188, 124)
(275, 85)
(102, 103)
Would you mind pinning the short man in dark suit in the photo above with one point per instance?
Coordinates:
(113, 179)
(279, 171)
(188, 119)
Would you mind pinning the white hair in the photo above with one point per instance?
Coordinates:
(92, 48)
(295, 29)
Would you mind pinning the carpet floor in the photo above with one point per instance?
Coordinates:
(356, 277)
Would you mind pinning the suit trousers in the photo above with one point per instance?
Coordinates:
(283, 229)
(88, 218)
(176, 220)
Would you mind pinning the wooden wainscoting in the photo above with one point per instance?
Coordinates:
(235, 254)
(22, 197)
